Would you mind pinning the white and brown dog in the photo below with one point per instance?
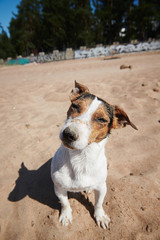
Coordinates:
(80, 163)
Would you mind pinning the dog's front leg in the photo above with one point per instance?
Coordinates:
(66, 211)
(101, 218)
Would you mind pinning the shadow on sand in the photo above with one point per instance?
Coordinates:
(38, 185)
(111, 58)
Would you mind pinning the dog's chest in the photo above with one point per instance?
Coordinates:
(78, 171)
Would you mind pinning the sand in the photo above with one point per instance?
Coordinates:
(33, 105)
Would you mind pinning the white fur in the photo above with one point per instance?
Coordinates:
(79, 170)
(83, 169)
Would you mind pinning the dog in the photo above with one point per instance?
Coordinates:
(80, 163)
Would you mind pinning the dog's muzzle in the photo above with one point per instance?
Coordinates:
(74, 134)
(69, 135)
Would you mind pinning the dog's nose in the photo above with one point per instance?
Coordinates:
(70, 135)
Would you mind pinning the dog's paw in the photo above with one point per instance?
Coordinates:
(102, 219)
(66, 216)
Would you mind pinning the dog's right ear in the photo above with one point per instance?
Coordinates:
(77, 91)
(121, 119)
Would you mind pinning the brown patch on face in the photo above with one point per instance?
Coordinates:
(78, 107)
(99, 125)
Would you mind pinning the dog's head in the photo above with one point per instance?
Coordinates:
(90, 119)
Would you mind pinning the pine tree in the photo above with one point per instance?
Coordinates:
(110, 17)
(44, 25)
(52, 22)
(6, 48)
(68, 23)
(83, 22)
(25, 27)
(147, 19)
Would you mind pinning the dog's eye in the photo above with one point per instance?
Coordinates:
(75, 107)
(101, 120)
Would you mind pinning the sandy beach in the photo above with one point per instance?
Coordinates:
(34, 99)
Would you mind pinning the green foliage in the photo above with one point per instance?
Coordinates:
(45, 25)
(25, 27)
(6, 48)
(147, 19)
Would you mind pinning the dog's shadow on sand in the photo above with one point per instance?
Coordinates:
(38, 185)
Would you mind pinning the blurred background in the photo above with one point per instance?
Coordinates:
(45, 25)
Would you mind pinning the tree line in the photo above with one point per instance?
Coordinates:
(45, 25)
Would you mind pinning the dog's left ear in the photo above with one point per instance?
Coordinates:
(121, 119)
(77, 91)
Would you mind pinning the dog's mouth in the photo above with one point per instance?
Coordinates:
(66, 144)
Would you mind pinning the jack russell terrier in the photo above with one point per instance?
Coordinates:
(80, 163)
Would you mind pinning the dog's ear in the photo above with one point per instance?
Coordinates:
(121, 119)
(77, 91)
